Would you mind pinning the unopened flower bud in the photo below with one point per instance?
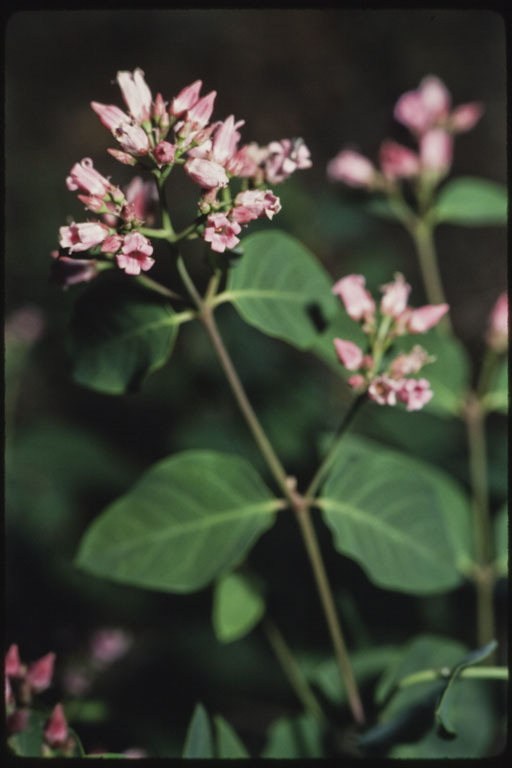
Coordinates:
(422, 319)
(397, 161)
(40, 673)
(348, 354)
(164, 153)
(395, 296)
(352, 168)
(136, 94)
(122, 157)
(465, 117)
(93, 203)
(13, 666)
(357, 381)
(436, 151)
(56, 732)
(112, 244)
(186, 99)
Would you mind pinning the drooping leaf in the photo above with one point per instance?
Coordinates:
(406, 523)
(501, 541)
(199, 741)
(190, 518)
(294, 738)
(237, 607)
(228, 743)
(280, 288)
(120, 333)
(471, 202)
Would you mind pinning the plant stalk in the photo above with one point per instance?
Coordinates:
(474, 673)
(422, 235)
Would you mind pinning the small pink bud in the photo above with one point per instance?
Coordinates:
(395, 296)
(111, 116)
(497, 335)
(411, 112)
(164, 153)
(39, 674)
(435, 96)
(13, 667)
(221, 232)
(357, 381)
(465, 117)
(93, 203)
(422, 319)
(206, 173)
(348, 354)
(159, 109)
(84, 176)
(186, 99)
(356, 299)
(415, 393)
(436, 151)
(397, 161)
(136, 94)
(56, 732)
(135, 254)
(351, 168)
(122, 157)
(199, 115)
(111, 244)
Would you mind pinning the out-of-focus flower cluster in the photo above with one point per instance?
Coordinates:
(427, 114)
(394, 318)
(211, 156)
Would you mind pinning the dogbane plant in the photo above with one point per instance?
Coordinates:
(192, 519)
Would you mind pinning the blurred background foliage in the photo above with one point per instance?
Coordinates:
(331, 77)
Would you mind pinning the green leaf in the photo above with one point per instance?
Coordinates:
(471, 202)
(28, 742)
(119, 335)
(279, 287)
(228, 743)
(497, 397)
(342, 327)
(190, 518)
(294, 737)
(407, 524)
(501, 541)
(198, 741)
(237, 607)
(448, 374)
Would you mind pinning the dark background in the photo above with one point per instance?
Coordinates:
(333, 78)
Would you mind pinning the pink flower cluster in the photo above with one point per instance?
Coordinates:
(396, 319)
(427, 113)
(211, 157)
(22, 681)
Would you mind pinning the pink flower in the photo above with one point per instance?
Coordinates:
(357, 381)
(422, 319)
(94, 203)
(357, 300)
(421, 109)
(111, 244)
(397, 161)
(164, 153)
(395, 296)
(242, 164)
(199, 115)
(135, 254)
(412, 362)
(122, 157)
(221, 232)
(83, 176)
(497, 335)
(436, 150)
(415, 393)
(81, 237)
(136, 94)
(67, 271)
(254, 203)
(186, 99)
(56, 732)
(108, 645)
(13, 667)
(40, 673)
(143, 195)
(206, 173)
(111, 116)
(352, 168)
(225, 140)
(132, 138)
(284, 157)
(383, 390)
(348, 354)
(465, 117)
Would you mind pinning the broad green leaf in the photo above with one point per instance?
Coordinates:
(190, 518)
(228, 743)
(497, 397)
(501, 541)
(471, 202)
(237, 607)
(294, 737)
(407, 524)
(366, 664)
(120, 334)
(448, 374)
(342, 327)
(28, 742)
(280, 288)
(199, 741)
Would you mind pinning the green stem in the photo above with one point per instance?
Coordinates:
(474, 673)
(422, 235)
(292, 670)
(324, 467)
(287, 485)
(159, 234)
(166, 219)
(148, 282)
